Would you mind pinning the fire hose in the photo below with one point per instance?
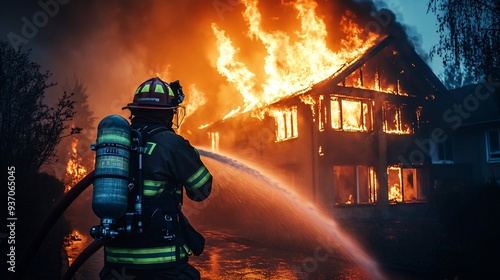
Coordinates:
(49, 222)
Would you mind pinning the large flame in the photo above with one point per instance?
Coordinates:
(291, 66)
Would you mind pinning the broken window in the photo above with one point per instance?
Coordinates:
(403, 184)
(351, 114)
(286, 123)
(493, 145)
(354, 185)
(397, 120)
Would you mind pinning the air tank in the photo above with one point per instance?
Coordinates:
(111, 177)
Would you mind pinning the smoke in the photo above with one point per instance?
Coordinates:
(115, 45)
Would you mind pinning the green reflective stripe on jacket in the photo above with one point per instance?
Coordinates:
(153, 188)
(153, 255)
(198, 179)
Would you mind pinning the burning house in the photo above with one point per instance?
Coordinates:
(354, 136)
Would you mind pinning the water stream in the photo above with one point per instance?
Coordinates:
(255, 205)
(256, 228)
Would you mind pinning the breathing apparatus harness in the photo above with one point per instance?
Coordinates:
(118, 197)
(118, 183)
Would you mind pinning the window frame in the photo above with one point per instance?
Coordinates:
(489, 152)
(366, 108)
(289, 119)
(447, 146)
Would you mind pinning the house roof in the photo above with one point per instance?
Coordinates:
(479, 102)
(398, 53)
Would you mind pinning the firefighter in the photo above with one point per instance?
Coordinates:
(170, 166)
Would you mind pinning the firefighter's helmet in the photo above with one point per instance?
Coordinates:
(157, 94)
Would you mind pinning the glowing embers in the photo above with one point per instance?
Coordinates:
(286, 123)
(403, 184)
(354, 185)
(397, 119)
(351, 114)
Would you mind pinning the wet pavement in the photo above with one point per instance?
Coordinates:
(228, 257)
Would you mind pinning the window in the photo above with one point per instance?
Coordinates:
(214, 139)
(286, 123)
(321, 113)
(403, 185)
(396, 119)
(493, 145)
(354, 185)
(351, 114)
(443, 152)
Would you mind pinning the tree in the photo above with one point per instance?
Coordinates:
(74, 153)
(30, 128)
(469, 33)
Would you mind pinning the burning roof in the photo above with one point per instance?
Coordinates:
(291, 63)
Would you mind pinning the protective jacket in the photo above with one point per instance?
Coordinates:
(169, 164)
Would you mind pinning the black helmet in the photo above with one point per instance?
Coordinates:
(157, 94)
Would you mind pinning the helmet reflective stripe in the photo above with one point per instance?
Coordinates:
(153, 188)
(157, 94)
(153, 255)
(170, 91)
(159, 89)
(145, 88)
(198, 179)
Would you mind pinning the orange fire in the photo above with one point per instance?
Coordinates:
(75, 171)
(74, 244)
(291, 66)
(394, 182)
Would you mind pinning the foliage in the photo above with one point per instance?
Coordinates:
(469, 33)
(29, 127)
(74, 152)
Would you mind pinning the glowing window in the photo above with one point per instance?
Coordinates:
(286, 123)
(321, 113)
(354, 185)
(403, 185)
(396, 121)
(214, 139)
(351, 114)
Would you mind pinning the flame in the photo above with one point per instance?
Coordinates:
(311, 101)
(394, 182)
(396, 124)
(74, 244)
(290, 66)
(75, 171)
(196, 99)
